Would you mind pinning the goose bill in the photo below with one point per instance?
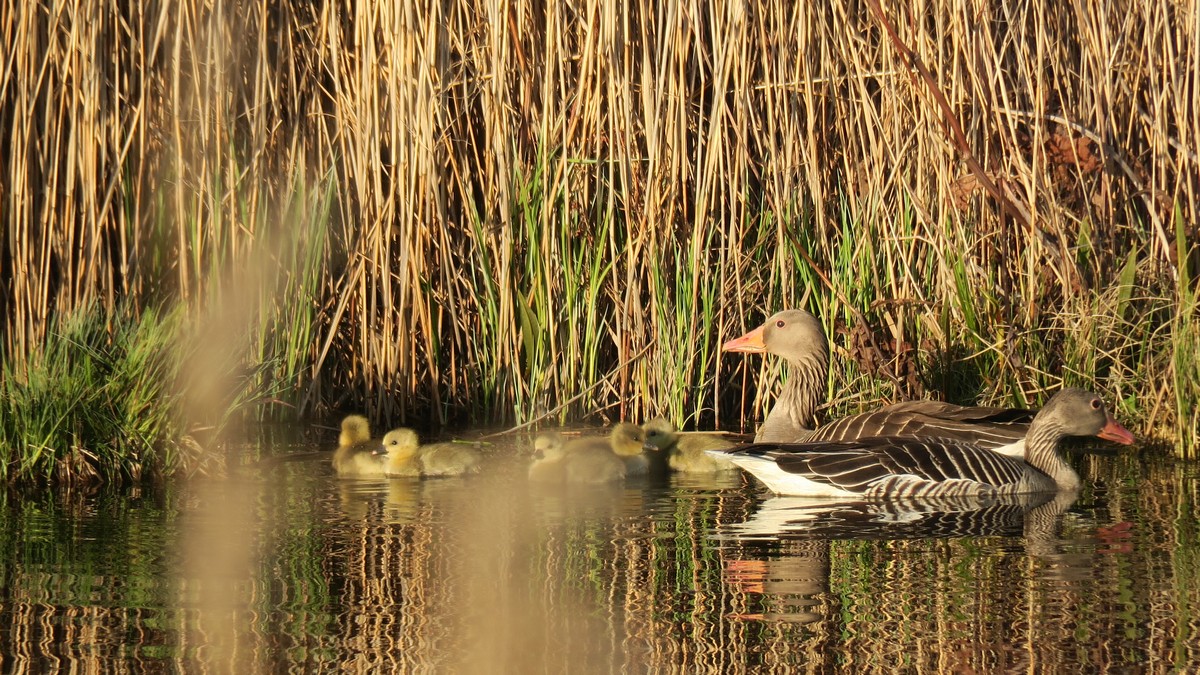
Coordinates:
(1115, 432)
(751, 342)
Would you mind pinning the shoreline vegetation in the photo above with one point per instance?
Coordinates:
(453, 214)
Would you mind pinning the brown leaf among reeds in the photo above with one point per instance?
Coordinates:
(881, 355)
(963, 189)
(1078, 152)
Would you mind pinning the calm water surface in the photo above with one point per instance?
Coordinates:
(282, 567)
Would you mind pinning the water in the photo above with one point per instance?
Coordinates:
(285, 568)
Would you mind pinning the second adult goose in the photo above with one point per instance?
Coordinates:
(886, 467)
(798, 338)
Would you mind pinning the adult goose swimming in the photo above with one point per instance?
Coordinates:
(892, 467)
(798, 338)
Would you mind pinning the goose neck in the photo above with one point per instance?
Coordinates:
(1041, 452)
(804, 390)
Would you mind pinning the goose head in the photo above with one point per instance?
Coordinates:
(798, 338)
(792, 334)
(1079, 412)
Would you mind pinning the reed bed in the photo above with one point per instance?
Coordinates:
(493, 212)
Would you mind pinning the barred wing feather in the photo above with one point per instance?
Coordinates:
(896, 466)
(986, 427)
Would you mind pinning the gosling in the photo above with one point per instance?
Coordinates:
(626, 440)
(585, 460)
(405, 456)
(687, 453)
(354, 456)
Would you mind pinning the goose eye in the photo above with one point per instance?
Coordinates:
(780, 323)
(1095, 404)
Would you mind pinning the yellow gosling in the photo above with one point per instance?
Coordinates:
(407, 457)
(687, 453)
(355, 452)
(585, 460)
(627, 441)
(401, 447)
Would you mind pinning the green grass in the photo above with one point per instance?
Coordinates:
(99, 398)
(123, 392)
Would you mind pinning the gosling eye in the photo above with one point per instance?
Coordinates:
(780, 323)
(1095, 404)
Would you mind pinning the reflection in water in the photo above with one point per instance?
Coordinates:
(292, 569)
(796, 577)
(929, 517)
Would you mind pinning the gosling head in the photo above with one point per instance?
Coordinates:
(548, 445)
(627, 439)
(355, 429)
(660, 434)
(400, 443)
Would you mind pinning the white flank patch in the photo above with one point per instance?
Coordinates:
(1014, 450)
(784, 483)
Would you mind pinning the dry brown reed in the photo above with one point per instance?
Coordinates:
(529, 195)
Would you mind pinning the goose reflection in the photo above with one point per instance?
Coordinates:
(781, 553)
(910, 518)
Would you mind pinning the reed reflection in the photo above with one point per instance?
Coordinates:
(953, 580)
(292, 569)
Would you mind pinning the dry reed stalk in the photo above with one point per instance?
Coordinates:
(529, 195)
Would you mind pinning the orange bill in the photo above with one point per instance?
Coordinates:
(751, 342)
(1117, 433)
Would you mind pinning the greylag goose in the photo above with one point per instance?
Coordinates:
(407, 457)
(580, 461)
(798, 338)
(354, 455)
(891, 467)
(686, 453)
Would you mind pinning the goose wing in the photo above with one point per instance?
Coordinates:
(964, 412)
(895, 467)
(982, 426)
